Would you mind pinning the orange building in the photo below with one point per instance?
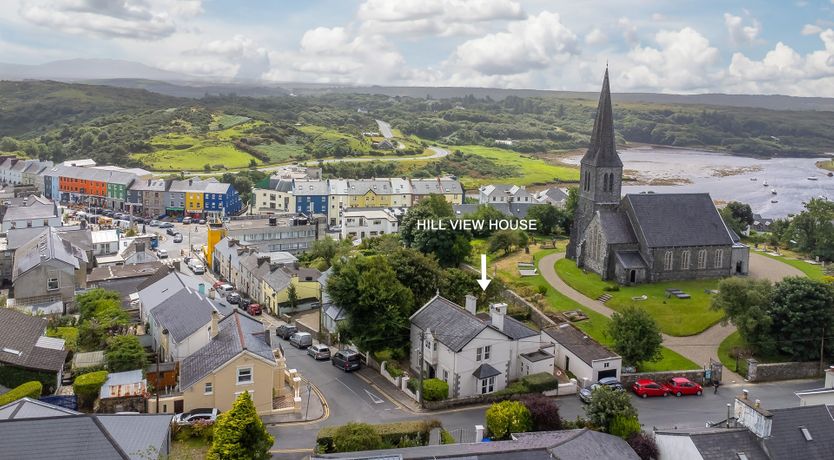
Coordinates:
(82, 186)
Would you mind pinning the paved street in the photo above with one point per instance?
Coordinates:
(385, 129)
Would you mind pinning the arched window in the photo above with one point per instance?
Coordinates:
(719, 258)
(668, 260)
(611, 182)
(685, 260)
(702, 259)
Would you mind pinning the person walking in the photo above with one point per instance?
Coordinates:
(715, 387)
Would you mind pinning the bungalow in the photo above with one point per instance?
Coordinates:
(581, 355)
(24, 345)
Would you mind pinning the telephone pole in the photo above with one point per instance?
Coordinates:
(156, 382)
(420, 389)
(822, 351)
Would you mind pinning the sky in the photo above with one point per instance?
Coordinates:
(680, 46)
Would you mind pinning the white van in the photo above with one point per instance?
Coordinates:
(224, 289)
(196, 266)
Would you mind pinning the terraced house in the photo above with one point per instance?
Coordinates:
(104, 186)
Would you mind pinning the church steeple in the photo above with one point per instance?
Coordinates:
(602, 151)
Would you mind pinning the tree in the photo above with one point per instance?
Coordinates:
(125, 353)
(549, 219)
(456, 283)
(544, 411)
(451, 247)
(624, 427)
(645, 446)
(746, 303)
(376, 303)
(571, 203)
(636, 336)
(418, 272)
(607, 404)
(355, 436)
(507, 417)
(292, 296)
(485, 213)
(802, 310)
(506, 240)
(239, 434)
(812, 230)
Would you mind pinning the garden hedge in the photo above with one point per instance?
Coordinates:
(87, 386)
(31, 389)
(533, 383)
(11, 377)
(392, 433)
(435, 390)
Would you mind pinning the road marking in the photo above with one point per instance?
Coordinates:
(376, 399)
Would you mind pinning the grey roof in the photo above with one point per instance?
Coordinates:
(437, 186)
(616, 227)
(518, 210)
(310, 187)
(280, 185)
(150, 185)
(538, 355)
(448, 322)
(584, 347)
(20, 332)
(601, 151)
(35, 210)
(485, 371)
(726, 444)
(164, 284)
(630, 259)
(81, 360)
(32, 408)
(140, 434)
(546, 445)
(48, 245)
(677, 219)
(79, 237)
(786, 441)
(183, 313)
(513, 328)
(111, 272)
(236, 333)
(95, 174)
(554, 194)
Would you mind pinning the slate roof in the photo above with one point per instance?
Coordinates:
(578, 343)
(48, 245)
(485, 371)
(601, 151)
(513, 328)
(236, 333)
(616, 227)
(31, 211)
(32, 408)
(281, 185)
(518, 210)
(150, 185)
(306, 187)
(545, 445)
(677, 219)
(436, 185)
(183, 313)
(111, 272)
(726, 444)
(630, 259)
(136, 433)
(552, 195)
(786, 441)
(20, 332)
(449, 323)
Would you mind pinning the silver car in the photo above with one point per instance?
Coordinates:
(205, 414)
(319, 351)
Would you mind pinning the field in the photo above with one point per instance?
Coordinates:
(319, 132)
(530, 170)
(735, 341)
(224, 121)
(281, 153)
(596, 324)
(678, 317)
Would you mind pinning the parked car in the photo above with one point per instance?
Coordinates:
(585, 394)
(202, 221)
(217, 284)
(301, 340)
(186, 220)
(166, 225)
(177, 237)
(319, 351)
(254, 309)
(347, 360)
(223, 289)
(285, 331)
(154, 223)
(233, 298)
(170, 231)
(611, 382)
(646, 387)
(188, 418)
(680, 386)
(162, 253)
(196, 266)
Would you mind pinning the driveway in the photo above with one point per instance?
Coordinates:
(385, 129)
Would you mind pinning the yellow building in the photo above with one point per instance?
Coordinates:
(194, 202)
(276, 280)
(215, 231)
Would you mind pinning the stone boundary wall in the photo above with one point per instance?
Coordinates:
(757, 372)
(696, 375)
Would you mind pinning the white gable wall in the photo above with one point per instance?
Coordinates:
(679, 447)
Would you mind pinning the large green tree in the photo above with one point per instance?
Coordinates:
(636, 336)
(746, 304)
(607, 404)
(802, 310)
(125, 353)
(550, 220)
(419, 272)
(507, 417)
(737, 216)
(239, 434)
(486, 213)
(451, 247)
(812, 230)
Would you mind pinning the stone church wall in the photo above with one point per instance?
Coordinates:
(659, 273)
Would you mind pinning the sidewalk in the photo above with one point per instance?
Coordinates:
(374, 378)
(314, 411)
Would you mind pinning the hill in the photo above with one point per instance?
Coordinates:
(84, 69)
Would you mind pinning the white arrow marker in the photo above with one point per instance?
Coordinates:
(484, 282)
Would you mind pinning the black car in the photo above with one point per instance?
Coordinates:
(347, 360)
(285, 331)
(585, 394)
(233, 297)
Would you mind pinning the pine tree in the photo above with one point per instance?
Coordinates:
(240, 434)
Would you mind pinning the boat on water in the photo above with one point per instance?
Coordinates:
(754, 179)
(831, 174)
(773, 191)
(764, 184)
(774, 201)
(812, 178)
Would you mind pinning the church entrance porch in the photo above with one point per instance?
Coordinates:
(629, 267)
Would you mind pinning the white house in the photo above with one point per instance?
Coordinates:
(474, 355)
(504, 194)
(34, 211)
(824, 395)
(581, 355)
(368, 222)
(553, 196)
(105, 242)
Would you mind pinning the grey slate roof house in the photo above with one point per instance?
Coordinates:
(48, 268)
(583, 356)
(580, 444)
(23, 344)
(644, 237)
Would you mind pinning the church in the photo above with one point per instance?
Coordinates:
(645, 237)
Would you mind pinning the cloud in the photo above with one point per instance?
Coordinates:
(250, 59)
(434, 17)
(596, 37)
(534, 43)
(133, 19)
(811, 29)
(741, 34)
(629, 31)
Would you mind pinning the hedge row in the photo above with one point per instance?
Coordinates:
(533, 383)
(391, 433)
(87, 386)
(31, 389)
(11, 377)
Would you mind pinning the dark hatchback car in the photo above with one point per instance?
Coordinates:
(347, 360)
(285, 331)
(586, 394)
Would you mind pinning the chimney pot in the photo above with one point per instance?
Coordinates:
(471, 304)
(215, 317)
(744, 394)
(758, 403)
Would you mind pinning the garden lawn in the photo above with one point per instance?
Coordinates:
(678, 317)
(735, 340)
(531, 170)
(812, 271)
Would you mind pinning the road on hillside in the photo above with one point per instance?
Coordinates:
(385, 129)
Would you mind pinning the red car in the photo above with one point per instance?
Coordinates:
(645, 388)
(254, 309)
(679, 386)
(217, 284)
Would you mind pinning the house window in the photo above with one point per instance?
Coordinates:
(606, 364)
(244, 375)
(719, 258)
(487, 385)
(685, 260)
(479, 354)
(668, 260)
(52, 281)
(702, 259)
(487, 349)
(209, 389)
(445, 376)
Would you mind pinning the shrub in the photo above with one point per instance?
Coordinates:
(68, 333)
(11, 377)
(412, 384)
(27, 390)
(507, 417)
(383, 355)
(355, 437)
(611, 288)
(87, 387)
(447, 438)
(125, 353)
(435, 390)
(394, 369)
(544, 411)
(645, 446)
(624, 427)
(607, 404)
(240, 433)
(394, 434)
(542, 381)
(542, 290)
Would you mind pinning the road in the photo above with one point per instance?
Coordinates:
(385, 129)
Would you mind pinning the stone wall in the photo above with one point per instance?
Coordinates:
(126, 404)
(757, 372)
(696, 375)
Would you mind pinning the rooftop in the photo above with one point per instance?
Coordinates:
(19, 342)
(584, 347)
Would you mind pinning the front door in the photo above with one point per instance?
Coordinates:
(632, 277)
(567, 363)
(178, 406)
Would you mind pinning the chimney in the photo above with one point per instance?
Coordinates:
(752, 416)
(201, 288)
(829, 377)
(214, 320)
(496, 314)
(471, 304)
(164, 347)
(745, 394)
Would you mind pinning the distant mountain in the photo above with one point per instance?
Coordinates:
(192, 90)
(87, 69)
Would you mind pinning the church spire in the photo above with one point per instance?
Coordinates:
(602, 151)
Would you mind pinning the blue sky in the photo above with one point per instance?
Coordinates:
(732, 46)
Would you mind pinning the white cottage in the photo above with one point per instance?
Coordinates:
(581, 355)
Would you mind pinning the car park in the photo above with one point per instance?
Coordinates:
(162, 253)
(203, 414)
(233, 298)
(301, 340)
(680, 386)
(320, 351)
(178, 238)
(186, 220)
(347, 360)
(645, 388)
(285, 331)
(154, 223)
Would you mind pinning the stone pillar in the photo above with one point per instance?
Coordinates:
(479, 433)
(752, 364)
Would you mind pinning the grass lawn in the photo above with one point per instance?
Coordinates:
(279, 153)
(678, 317)
(530, 170)
(829, 165)
(735, 340)
(224, 121)
(811, 270)
(596, 324)
(190, 449)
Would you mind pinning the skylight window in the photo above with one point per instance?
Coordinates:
(806, 433)
(13, 351)
(741, 456)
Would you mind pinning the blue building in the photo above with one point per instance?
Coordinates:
(220, 199)
(311, 196)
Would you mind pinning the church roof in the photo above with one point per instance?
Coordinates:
(602, 151)
(677, 219)
(616, 227)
